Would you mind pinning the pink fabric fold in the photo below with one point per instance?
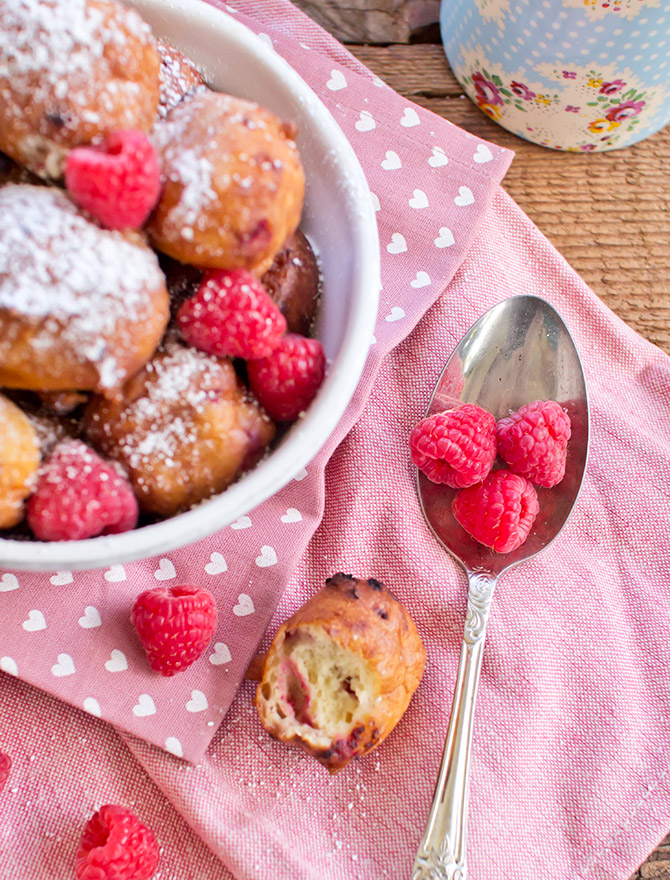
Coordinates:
(569, 771)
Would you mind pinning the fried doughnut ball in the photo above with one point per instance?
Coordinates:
(292, 281)
(183, 429)
(81, 308)
(178, 77)
(233, 184)
(19, 461)
(72, 70)
(341, 671)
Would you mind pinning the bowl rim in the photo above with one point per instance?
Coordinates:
(306, 438)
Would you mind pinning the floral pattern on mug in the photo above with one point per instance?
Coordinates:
(567, 108)
(597, 9)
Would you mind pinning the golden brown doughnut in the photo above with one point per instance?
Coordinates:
(178, 77)
(233, 184)
(71, 70)
(184, 429)
(341, 671)
(19, 461)
(292, 281)
(81, 308)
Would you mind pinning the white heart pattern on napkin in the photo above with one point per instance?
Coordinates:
(292, 515)
(91, 618)
(117, 662)
(397, 245)
(392, 161)
(375, 202)
(464, 197)
(445, 238)
(244, 607)
(419, 200)
(336, 81)
(61, 578)
(64, 666)
(217, 564)
(242, 523)
(267, 557)
(422, 280)
(165, 571)
(173, 745)
(438, 158)
(35, 621)
(115, 574)
(365, 121)
(8, 665)
(197, 703)
(267, 39)
(92, 706)
(145, 706)
(482, 154)
(221, 654)
(396, 314)
(410, 118)
(8, 582)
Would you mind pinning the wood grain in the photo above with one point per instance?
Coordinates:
(607, 213)
(372, 21)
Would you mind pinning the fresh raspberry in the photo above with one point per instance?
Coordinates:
(286, 382)
(498, 512)
(456, 447)
(115, 845)
(117, 180)
(78, 495)
(5, 767)
(231, 315)
(174, 625)
(533, 441)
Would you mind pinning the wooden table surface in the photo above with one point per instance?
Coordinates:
(607, 213)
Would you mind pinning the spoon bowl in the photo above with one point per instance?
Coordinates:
(518, 352)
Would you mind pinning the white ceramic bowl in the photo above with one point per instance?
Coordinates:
(339, 220)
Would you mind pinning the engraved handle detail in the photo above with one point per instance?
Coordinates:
(441, 854)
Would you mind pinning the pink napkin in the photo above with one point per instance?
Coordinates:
(69, 633)
(570, 777)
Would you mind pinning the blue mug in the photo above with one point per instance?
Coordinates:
(577, 75)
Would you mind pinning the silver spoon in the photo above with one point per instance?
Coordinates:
(518, 352)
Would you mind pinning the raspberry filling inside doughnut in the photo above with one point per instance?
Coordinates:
(321, 691)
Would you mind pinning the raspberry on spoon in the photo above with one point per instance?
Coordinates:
(499, 512)
(534, 440)
(456, 447)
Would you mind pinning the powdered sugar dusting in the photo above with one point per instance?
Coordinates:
(50, 37)
(194, 172)
(178, 77)
(61, 39)
(70, 69)
(185, 375)
(78, 282)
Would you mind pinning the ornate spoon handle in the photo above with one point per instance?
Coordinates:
(441, 854)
